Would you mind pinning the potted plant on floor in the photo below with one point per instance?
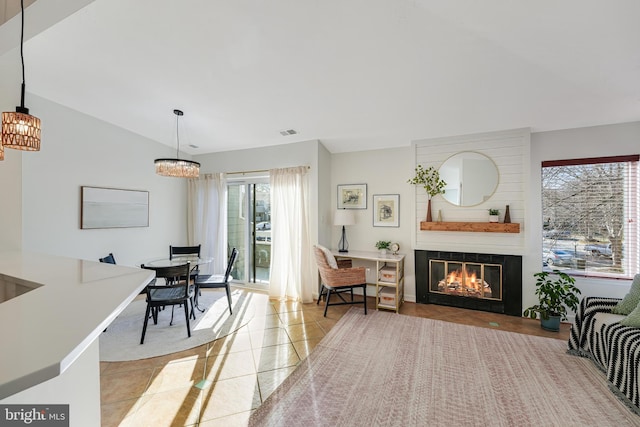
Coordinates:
(555, 297)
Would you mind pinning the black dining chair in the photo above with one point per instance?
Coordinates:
(109, 259)
(208, 281)
(175, 292)
(186, 251)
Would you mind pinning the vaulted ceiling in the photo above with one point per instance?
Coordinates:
(355, 74)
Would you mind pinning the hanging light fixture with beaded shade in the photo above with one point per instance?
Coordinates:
(20, 130)
(177, 167)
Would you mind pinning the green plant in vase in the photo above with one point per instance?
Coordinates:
(382, 246)
(430, 180)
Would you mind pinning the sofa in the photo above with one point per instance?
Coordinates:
(614, 347)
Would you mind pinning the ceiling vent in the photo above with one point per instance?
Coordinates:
(288, 132)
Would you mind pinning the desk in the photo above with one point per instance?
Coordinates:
(389, 276)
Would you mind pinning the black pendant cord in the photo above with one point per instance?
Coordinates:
(24, 110)
(178, 113)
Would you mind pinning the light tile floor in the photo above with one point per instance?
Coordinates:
(220, 383)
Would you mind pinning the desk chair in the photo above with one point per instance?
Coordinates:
(176, 292)
(338, 280)
(216, 281)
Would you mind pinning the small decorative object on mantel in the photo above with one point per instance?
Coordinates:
(507, 215)
(439, 215)
(430, 179)
(382, 246)
(494, 215)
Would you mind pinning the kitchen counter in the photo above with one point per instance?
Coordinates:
(62, 306)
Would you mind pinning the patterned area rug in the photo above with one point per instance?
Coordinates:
(386, 369)
(121, 340)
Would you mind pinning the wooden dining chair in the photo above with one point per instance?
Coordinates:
(176, 292)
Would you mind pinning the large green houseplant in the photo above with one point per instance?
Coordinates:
(554, 298)
(430, 180)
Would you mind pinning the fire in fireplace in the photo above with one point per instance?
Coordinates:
(489, 282)
(476, 280)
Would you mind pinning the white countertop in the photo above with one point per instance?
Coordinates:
(44, 330)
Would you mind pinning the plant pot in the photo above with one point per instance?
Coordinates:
(383, 251)
(494, 218)
(429, 218)
(550, 324)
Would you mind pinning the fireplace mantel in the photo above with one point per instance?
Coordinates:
(486, 227)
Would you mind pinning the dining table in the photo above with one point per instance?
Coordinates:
(176, 260)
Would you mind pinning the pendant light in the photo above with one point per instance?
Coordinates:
(20, 130)
(177, 167)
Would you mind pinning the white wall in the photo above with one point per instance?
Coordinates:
(509, 150)
(384, 172)
(79, 150)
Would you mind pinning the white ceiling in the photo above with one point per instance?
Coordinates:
(355, 74)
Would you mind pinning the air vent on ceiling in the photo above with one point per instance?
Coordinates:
(193, 146)
(288, 132)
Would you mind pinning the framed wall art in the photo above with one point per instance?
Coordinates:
(113, 208)
(386, 210)
(352, 196)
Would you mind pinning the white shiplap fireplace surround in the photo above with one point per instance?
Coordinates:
(510, 150)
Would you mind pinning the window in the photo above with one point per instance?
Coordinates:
(590, 211)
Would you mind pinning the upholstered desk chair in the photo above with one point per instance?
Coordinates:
(176, 292)
(338, 280)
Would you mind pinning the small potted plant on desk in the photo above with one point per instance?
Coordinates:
(494, 215)
(382, 246)
(554, 297)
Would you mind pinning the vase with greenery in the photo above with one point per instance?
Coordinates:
(382, 246)
(555, 296)
(430, 180)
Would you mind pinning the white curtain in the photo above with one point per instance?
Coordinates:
(207, 219)
(291, 264)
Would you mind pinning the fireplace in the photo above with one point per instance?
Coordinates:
(488, 282)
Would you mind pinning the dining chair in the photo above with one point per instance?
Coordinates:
(338, 280)
(185, 251)
(109, 259)
(176, 292)
(209, 281)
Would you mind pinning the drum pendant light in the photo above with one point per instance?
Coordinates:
(177, 167)
(20, 130)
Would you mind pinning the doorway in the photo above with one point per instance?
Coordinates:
(249, 229)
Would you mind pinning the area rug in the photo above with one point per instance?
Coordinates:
(121, 340)
(386, 369)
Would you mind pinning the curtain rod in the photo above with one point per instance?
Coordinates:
(253, 171)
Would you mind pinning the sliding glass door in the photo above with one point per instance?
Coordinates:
(249, 229)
